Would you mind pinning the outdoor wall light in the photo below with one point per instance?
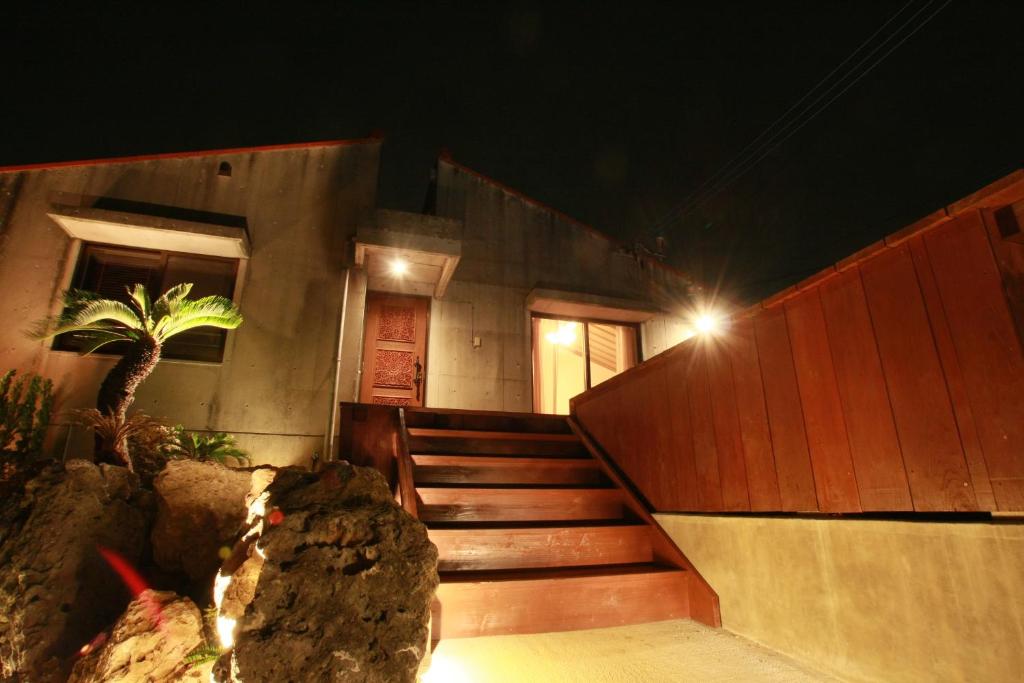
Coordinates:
(706, 323)
(399, 267)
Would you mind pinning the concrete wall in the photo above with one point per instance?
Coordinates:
(869, 600)
(302, 206)
(511, 245)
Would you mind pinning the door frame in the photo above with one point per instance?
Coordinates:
(586, 346)
(365, 330)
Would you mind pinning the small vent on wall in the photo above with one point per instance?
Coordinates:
(1009, 219)
(224, 170)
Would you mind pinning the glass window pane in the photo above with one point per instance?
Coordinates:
(559, 364)
(612, 350)
(209, 277)
(110, 270)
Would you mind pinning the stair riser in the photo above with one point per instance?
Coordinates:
(484, 549)
(518, 505)
(443, 445)
(441, 469)
(500, 422)
(466, 610)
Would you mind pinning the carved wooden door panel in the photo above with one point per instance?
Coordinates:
(395, 350)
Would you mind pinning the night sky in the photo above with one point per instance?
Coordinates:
(613, 114)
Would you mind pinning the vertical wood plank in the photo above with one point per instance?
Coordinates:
(969, 440)
(987, 347)
(936, 468)
(705, 449)
(823, 413)
(732, 469)
(762, 481)
(649, 434)
(682, 454)
(785, 418)
(874, 445)
(625, 419)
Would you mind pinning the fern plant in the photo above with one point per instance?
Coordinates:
(114, 433)
(25, 406)
(216, 447)
(202, 654)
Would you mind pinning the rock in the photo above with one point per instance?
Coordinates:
(148, 643)
(342, 591)
(200, 507)
(56, 590)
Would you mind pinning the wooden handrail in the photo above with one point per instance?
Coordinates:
(406, 484)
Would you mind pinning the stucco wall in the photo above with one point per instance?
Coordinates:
(869, 600)
(509, 247)
(273, 387)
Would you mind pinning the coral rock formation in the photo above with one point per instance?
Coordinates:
(56, 590)
(338, 585)
(200, 507)
(149, 643)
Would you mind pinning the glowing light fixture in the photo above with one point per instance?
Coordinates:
(565, 335)
(706, 323)
(399, 267)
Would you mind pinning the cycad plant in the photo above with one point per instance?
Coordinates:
(144, 324)
(217, 446)
(114, 433)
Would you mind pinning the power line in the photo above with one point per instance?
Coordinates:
(733, 171)
(739, 155)
(738, 173)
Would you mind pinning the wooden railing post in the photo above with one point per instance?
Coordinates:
(406, 485)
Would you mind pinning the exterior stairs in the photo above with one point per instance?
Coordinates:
(536, 531)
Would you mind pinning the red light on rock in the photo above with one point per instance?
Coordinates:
(275, 517)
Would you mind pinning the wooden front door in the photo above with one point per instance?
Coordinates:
(395, 350)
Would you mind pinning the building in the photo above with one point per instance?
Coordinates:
(294, 235)
(841, 481)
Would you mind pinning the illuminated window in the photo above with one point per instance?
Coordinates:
(571, 356)
(109, 270)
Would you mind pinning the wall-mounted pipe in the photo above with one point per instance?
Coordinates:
(332, 420)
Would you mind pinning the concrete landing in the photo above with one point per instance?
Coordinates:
(678, 650)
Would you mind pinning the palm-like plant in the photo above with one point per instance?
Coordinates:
(217, 447)
(144, 324)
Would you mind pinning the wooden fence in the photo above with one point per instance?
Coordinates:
(892, 381)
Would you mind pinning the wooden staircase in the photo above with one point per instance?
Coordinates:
(535, 529)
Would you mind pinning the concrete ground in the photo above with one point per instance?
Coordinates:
(678, 650)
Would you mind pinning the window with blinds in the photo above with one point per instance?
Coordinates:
(109, 271)
(573, 355)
